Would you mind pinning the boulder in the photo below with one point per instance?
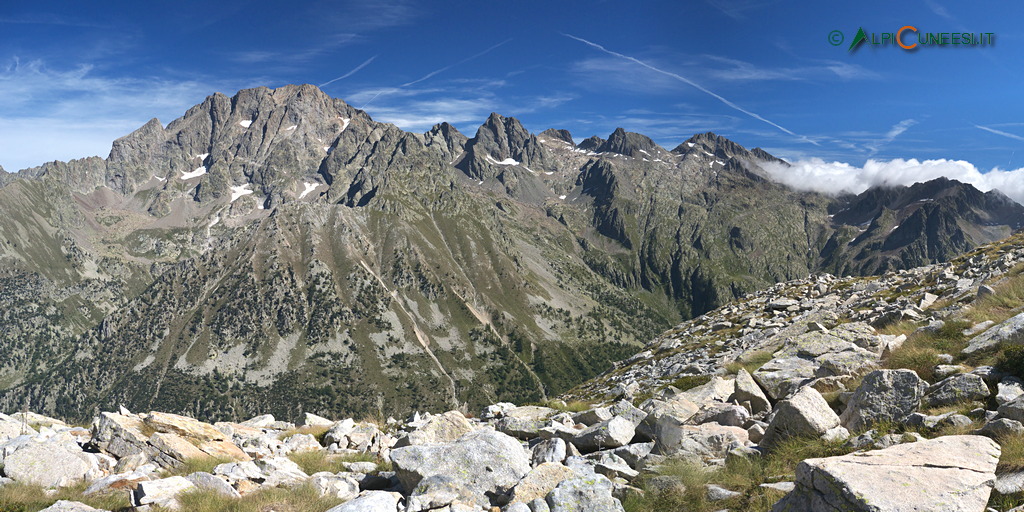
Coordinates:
(441, 428)
(335, 486)
(1001, 428)
(804, 414)
(696, 442)
(70, 506)
(540, 482)
(717, 389)
(611, 433)
(208, 482)
(942, 474)
(884, 395)
(592, 416)
(956, 389)
(1008, 389)
(312, 420)
(747, 390)
(1010, 331)
(300, 443)
(11, 427)
(371, 501)
(732, 415)
(783, 375)
(484, 462)
(48, 465)
(163, 492)
(548, 450)
(121, 435)
(183, 426)
(592, 493)
(280, 471)
(1014, 409)
(524, 422)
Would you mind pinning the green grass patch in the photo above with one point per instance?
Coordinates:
(315, 462)
(921, 350)
(297, 499)
(193, 465)
(559, 405)
(19, 497)
(750, 361)
(688, 382)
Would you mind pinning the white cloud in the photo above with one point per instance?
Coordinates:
(60, 114)
(837, 177)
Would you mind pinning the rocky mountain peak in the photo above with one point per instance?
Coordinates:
(765, 156)
(591, 144)
(447, 137)
(714, 144)
(562, 135)
(627, 143)
(502, 148)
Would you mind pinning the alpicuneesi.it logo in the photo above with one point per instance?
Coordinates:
(909, 37)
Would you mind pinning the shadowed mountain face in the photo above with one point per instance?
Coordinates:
(279, 251)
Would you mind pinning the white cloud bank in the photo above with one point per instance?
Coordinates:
(837, 177)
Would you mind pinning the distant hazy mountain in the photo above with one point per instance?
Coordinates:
(280, 251)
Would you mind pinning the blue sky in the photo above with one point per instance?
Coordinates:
(76, 75)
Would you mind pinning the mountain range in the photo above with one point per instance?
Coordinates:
(280, 251)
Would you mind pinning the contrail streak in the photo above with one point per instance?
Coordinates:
(691, 83)
(437, 71)
(350, 73)
(999, 132)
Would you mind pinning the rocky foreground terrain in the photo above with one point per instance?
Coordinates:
(890, 393)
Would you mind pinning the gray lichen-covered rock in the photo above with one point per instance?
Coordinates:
(696, 442)
(524, 422)
(441, 428)
(548, 450)
(804, 414)
(208, 482)
(1011, 331)
(951, 473)
(47, 465)
(1008, 389)
(590, 493)
(540, 481)
(163, 492)
(70, 506)
(334, 486)
(747, 390)
(884, 395)
(956, 389)
(371, 501)
(485, 462)
(611, 433)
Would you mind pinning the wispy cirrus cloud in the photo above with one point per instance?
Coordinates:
(737, 70)
(436, 72)
(350, 73)
(897, 129)
(65, 113)
(695, 85)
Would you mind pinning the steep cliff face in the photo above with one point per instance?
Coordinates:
(280, 251)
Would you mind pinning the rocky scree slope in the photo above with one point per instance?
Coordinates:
(281, 251)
